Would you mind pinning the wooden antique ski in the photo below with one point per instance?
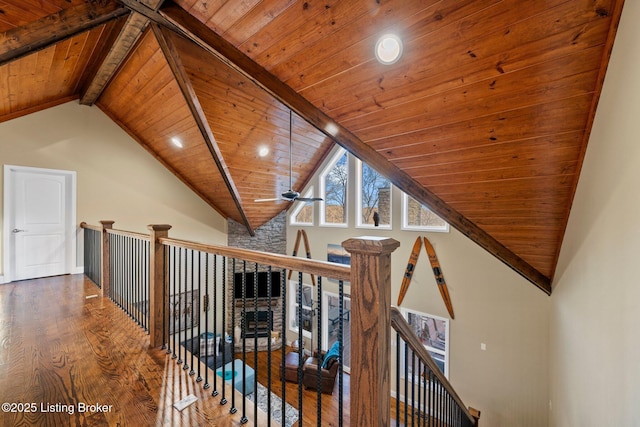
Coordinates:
(437, 272)
(307, 248)
(408, 272)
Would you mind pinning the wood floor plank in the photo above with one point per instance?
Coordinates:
(59, 350)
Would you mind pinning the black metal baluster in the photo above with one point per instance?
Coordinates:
(430, 400)
(341, 352)
(318, 347)
(255, 347)
(206, 322)
(233, 409)
(193, 315)
(270, 323)
(178, 306)
(244, 419)
(397, 379)
(283, 292)
(224, 315)
(172, 301)
(301, 345)
(418, 408)
(413, 388)
(406, 381)
(206, 337)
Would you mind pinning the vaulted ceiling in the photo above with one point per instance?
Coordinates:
(485, 118)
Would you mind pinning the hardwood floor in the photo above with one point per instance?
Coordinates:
(60, 350)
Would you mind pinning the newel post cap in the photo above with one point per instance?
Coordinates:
(159, 227)
(372, 245)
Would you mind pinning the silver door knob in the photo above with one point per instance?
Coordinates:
(16, 230)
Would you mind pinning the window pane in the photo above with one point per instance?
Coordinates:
(303, 212)
(375, 197)
(419, 216)
(335, 192)
(305, 215)
(332, 325)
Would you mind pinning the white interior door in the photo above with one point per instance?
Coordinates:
(40, 232)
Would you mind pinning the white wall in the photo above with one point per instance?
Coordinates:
(117, 179)
(492, 304)
(595, 343)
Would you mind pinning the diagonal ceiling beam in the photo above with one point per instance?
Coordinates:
(177, 19)
(118, 52)
(173, 58)
(47, 31)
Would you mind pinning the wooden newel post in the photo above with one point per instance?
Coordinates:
(105, 259)
(370, 329)
(157, 285)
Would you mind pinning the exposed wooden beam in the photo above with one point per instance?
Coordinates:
(128, 37)
(173, 58)
(118, 52)
(56, 27)
(177, 19)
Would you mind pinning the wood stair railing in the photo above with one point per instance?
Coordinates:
(442, 403)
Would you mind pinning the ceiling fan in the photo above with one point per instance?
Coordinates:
(291, 195)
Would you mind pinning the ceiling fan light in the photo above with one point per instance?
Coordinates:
(176, 141)
(388, 49)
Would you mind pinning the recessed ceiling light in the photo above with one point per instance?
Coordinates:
(332, 129)
(388, 49)
(263, 151)
(177, 142)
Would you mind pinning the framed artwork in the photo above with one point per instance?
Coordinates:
(184, 311)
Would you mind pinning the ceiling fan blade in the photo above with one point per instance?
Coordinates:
(267, 200)
(309, 199)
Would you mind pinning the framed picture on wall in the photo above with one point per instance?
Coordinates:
(184, 311)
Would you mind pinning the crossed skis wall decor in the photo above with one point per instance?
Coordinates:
(437, 272)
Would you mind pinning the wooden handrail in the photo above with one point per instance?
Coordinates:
(133, 234)
(90, 227)
(317, 267)
(402, 327)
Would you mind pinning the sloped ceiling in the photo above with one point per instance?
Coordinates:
(485, 118)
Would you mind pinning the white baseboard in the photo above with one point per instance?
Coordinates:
(2, 280)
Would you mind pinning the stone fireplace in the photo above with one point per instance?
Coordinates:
(271, 237)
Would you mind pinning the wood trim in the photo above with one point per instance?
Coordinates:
(319, 268)
(56, 27)
(90, 227)
(173, 58)
(177, 19)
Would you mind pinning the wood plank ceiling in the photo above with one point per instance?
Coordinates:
(485, 118)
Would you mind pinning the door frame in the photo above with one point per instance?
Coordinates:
(70, 227)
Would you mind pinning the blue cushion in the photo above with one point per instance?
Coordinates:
(332, 354)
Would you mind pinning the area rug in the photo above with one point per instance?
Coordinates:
(291, 413)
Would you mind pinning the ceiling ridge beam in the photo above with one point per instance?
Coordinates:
(177, 19)
(173, 58)
(59, 26)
